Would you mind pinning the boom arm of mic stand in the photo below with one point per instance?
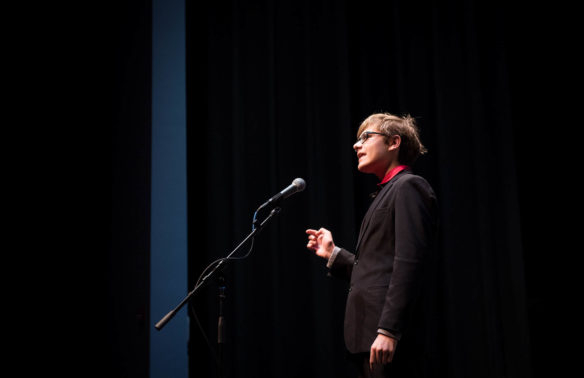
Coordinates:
(162, 322)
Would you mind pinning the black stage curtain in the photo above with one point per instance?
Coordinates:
(276, 90)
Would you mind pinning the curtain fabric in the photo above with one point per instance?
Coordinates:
(277, 90)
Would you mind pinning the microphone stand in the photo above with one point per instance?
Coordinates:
(257, 228)
(221, 324)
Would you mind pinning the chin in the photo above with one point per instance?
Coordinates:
(369, 169)
(363, 168)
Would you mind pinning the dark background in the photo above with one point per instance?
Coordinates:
(277, 91)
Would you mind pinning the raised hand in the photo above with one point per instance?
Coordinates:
(321, 242)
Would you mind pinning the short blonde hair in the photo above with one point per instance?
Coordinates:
(411, 147)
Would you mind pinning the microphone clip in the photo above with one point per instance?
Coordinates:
(276, 210)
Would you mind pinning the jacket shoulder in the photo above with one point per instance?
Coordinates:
(411, 180)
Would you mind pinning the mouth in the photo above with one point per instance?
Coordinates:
(360, 155)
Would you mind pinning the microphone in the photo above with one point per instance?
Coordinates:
(297, 185)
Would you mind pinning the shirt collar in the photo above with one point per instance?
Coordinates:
(391, 174)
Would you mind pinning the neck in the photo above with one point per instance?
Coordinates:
(392, 165)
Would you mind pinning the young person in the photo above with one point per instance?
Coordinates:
(387, 272)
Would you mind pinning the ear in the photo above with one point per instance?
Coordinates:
(393, 142)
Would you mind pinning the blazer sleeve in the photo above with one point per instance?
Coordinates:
(415, 228)
(342, 267)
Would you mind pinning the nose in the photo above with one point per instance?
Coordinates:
(357, 146)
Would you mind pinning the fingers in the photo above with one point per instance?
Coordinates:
(379, 357)
(320, 241)
(387, 357)
(374, 357)
(382, 351)
(320, 231)
(312, 245)
(312, 239)
(313, 236)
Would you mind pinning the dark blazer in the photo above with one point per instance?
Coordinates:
(387, 271)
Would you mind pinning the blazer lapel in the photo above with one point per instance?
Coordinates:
(369, 213)
(367, 218)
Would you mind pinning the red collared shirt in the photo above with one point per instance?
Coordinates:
(391, 174)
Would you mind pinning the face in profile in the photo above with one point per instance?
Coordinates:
(373, 152)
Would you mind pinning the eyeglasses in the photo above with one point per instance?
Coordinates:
(366, 135)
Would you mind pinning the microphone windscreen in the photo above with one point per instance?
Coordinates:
(299, 183)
